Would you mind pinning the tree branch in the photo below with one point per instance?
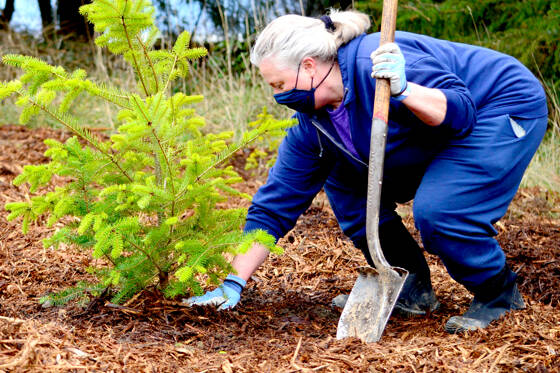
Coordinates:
(149, 123)
(149, 61)
(136, 66)
(61, 121)
(161, 272)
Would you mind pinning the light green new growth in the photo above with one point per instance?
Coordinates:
(146, 201)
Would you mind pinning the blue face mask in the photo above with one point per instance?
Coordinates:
(300, 100)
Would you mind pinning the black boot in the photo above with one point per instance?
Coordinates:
(401, 250)
(492, 300)
(417, 297)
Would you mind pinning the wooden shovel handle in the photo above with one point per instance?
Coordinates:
(382, 86)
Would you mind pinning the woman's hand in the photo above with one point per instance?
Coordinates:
(225, 296)
(388, 63)
(228, 294)
(428, 104)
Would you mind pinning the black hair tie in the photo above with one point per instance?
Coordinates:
(329, 25)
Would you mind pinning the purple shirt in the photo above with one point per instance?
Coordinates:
(339, 118)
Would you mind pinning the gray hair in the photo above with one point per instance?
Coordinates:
(290, 38)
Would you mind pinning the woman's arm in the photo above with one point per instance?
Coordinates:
(437, 96)
(428, 104)
(246, 264)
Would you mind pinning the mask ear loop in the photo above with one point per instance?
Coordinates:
(321, 82)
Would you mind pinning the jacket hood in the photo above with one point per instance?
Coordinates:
(347, 61)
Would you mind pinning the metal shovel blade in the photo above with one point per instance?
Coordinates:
(370, 303)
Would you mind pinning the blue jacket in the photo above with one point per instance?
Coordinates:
(478, 83)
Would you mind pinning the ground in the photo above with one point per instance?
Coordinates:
(285, 321)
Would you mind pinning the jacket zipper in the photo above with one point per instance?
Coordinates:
(320, 143)
(328, 135)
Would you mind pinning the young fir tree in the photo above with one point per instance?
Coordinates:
(146, 200)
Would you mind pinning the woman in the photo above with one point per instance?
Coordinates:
(464, 123)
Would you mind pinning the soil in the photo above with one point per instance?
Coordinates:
(285, 321)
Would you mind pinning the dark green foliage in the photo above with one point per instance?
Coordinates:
(526, 29)
(79, 293)
(148, 202)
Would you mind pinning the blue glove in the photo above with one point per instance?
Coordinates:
(225, 296)
(388, 63)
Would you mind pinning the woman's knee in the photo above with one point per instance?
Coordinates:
(428, 215)
(439, 222)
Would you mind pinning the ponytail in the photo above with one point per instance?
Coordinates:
(290, 38)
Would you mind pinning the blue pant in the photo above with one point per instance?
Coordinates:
(467, 187)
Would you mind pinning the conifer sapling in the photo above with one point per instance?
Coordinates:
(146, 201)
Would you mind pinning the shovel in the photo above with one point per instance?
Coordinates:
(376, 289)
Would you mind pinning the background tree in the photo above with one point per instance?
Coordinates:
(242, 17)
(319, 7)
(47, 19)
(526, 30)
(46, 13)
(7, 13)
(70, 19)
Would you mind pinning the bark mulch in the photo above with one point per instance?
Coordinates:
(285, 321)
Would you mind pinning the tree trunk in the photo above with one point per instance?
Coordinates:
(70, 19)
(345, 4)
(46, 17)
(46, 12)
(7, 13)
